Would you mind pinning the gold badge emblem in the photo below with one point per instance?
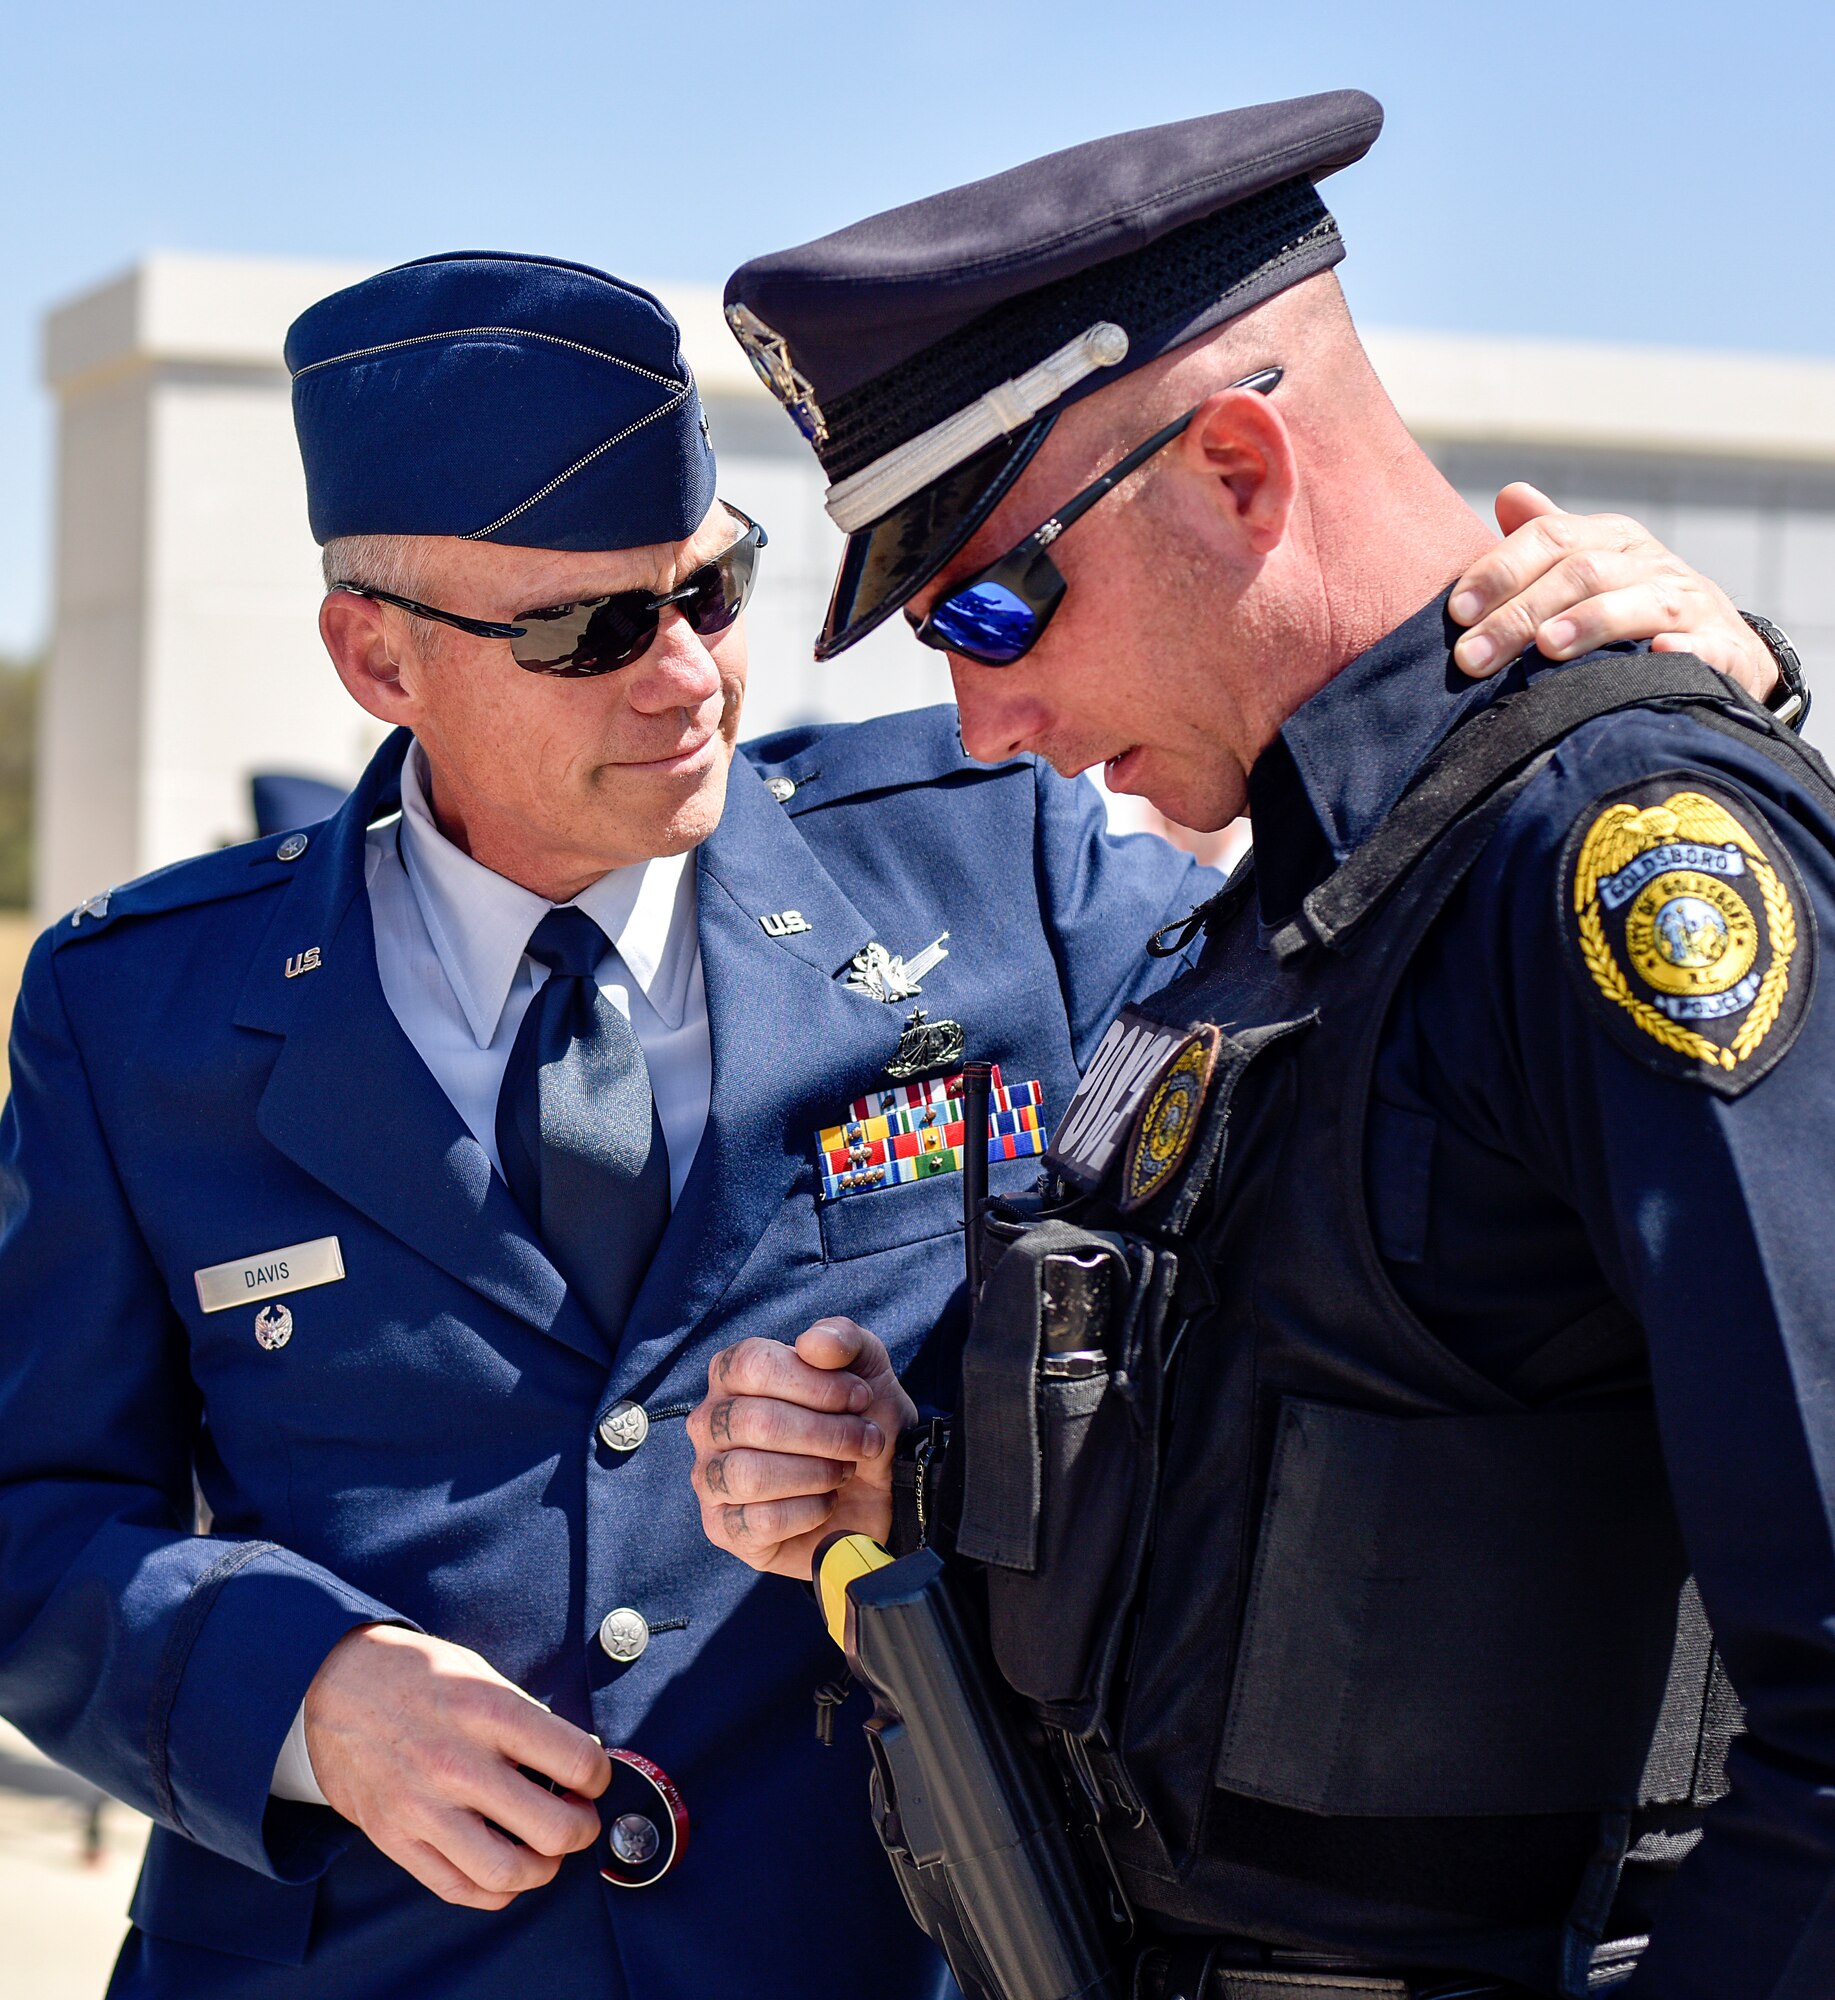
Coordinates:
(1167, 1122)
(1685, 921)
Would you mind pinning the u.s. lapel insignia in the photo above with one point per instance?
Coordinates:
(880, 974)
(304, 961)
(924, 1045)
(1167, 1122)
(786, 923)
(273, 1326)
(1688, 929)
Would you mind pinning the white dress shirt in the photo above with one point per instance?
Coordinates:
(450, 950)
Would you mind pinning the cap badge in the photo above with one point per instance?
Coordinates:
(769, 354)
(879, 974)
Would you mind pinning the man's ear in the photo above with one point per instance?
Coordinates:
(357, 639)
(1240, 450)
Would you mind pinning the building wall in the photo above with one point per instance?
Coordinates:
(185, 653)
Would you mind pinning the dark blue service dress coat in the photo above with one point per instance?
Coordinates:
(192, 1087)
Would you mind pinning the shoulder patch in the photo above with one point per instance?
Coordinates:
(1688, 929)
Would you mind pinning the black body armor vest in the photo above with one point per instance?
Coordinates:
(1348, 1648)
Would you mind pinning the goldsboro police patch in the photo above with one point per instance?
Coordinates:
(1689, 928)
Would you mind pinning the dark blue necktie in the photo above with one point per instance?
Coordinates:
(577, 1130)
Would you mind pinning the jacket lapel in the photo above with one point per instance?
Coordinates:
(350, 1101)
(791, 1046)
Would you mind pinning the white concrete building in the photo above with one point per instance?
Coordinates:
(185, 654)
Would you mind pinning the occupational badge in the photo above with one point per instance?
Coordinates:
(1167, 1122)
(1689, 930)
(884, 975)
(924, 1044)
(273, 1326)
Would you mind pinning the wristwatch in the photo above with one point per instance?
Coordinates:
(1790, 699)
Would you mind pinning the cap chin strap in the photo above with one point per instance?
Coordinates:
(867, 495)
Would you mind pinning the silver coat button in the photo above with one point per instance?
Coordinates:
(624, 1426)
(624, 1633)
(783, 790)
(291, 848)
(634, 1839)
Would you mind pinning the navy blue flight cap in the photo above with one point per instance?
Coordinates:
(501, 399)
(926, 352)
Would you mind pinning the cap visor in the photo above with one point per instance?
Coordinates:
(886, 564)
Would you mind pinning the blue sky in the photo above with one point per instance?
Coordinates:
(1620, 170)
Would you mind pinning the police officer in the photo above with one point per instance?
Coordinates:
(1378, 1592)
(391, 1183)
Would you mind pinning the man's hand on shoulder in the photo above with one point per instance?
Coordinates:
(1571, 583)
(417, 1742)
(795, 1443)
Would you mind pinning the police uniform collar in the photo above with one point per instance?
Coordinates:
(1344, 758)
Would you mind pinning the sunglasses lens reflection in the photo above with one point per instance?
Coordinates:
(987, 621)
(577, 641)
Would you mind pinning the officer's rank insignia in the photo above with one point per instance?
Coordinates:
(1167, 1122)
(1690, 929)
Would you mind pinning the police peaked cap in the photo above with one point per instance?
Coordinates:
(502, 399)
(926, 352)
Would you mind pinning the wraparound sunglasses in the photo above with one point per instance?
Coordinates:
(998, 616)
(598, 635)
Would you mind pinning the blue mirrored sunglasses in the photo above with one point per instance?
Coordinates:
(998, 616)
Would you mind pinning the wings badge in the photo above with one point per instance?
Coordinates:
(1689, 929)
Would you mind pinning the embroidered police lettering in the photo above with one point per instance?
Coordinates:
(1127, 1062)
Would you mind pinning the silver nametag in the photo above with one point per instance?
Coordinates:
(294, 1269)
